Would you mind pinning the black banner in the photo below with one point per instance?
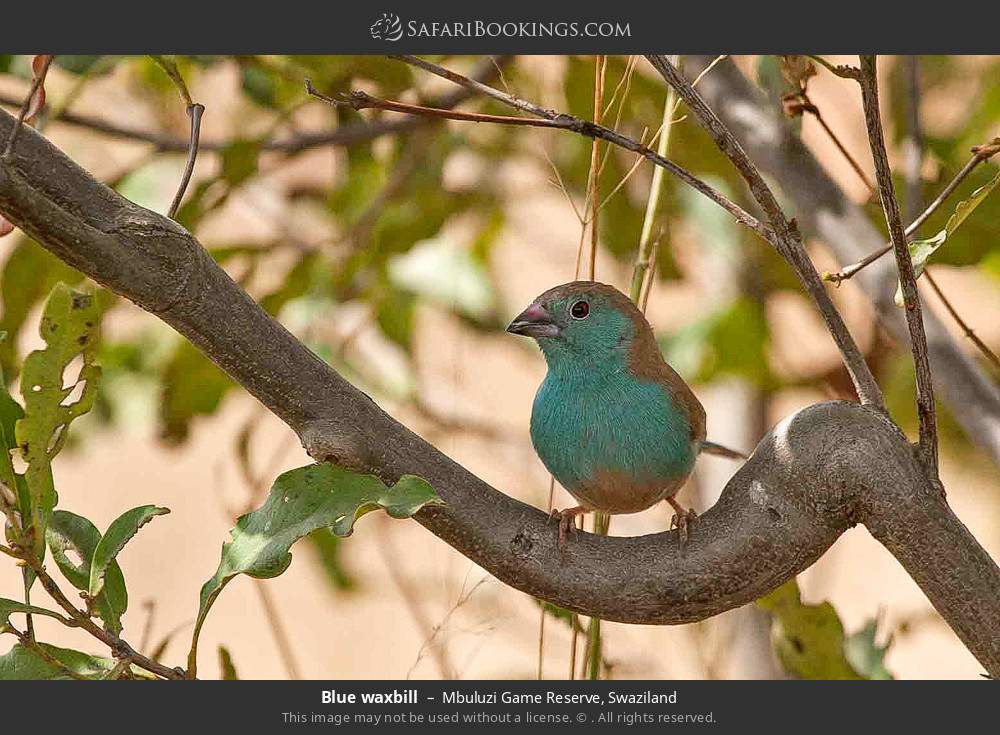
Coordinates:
(448, 26)
(513, 706)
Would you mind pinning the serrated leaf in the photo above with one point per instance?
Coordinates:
(68, 327)
(922, 250)
(301, 501)
(8, 607)
(23, 664)
(68, 534)
(119, 533)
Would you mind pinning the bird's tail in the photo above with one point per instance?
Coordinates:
(720, 451)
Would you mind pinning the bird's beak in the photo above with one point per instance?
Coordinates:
(535, 322)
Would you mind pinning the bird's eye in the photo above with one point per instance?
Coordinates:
(580, 309)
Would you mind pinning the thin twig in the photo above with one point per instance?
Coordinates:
(589, 129)
(195, 111)
(81, 619)
(281, 637)
(914, 144)
(814, 111)
(643, 260)
(979, 154)
(358, 100)
(600, 68)
(783, 234)
(345, 135)
(990, 355)
(844, 71)
(907, 279)
(412, 598)
(36, 83)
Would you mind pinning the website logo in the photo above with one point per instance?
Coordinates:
(387, 28)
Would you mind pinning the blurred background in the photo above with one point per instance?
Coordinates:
(399, 259)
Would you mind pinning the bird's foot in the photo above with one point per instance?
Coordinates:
(567, 521)
(682, 519)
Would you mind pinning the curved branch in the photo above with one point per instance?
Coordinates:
(822, 209)
(819, 472)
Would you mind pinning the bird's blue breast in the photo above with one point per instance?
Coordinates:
(587, 423)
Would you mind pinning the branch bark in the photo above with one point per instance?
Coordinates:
(823, 210)
(926, 413)
(819, 472)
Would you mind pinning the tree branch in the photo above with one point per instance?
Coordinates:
(590, 129)
(907, 278)
(826, 212)
(819, 472)
(787, 240)
(979, 154)
(345, 135)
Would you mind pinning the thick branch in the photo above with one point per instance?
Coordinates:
(907, 278)
(822, 470)
(824, 211)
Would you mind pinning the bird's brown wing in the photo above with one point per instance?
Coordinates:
(646, 361)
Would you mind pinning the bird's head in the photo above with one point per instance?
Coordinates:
(582, 320)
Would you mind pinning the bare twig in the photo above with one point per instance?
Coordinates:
(281, 638)
(600, 68)
(966, 329)
(412, 599)
(979, 154)
(37, 82)
(914, 145)
(195, 112)
(591, 130)
(799, 102)
(907, 279)
(345, 135)
(784, 234)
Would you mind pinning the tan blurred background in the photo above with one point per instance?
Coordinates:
(420, 609)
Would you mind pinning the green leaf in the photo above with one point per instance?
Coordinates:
(7, 607)
(809, 639)
(730, 341)
(10, 413)
(193, 386)
(239, 161)
(29, 274)
(23, 664)
(329, 546)
(226, 665)
(69, 326)
(301, 501)
(119, 533)
(922, 250)
(865, 655)
(69, 536)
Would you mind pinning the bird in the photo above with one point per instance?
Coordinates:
(612, 421)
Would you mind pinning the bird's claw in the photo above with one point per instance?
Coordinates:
(567, 522)
(681, 520)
